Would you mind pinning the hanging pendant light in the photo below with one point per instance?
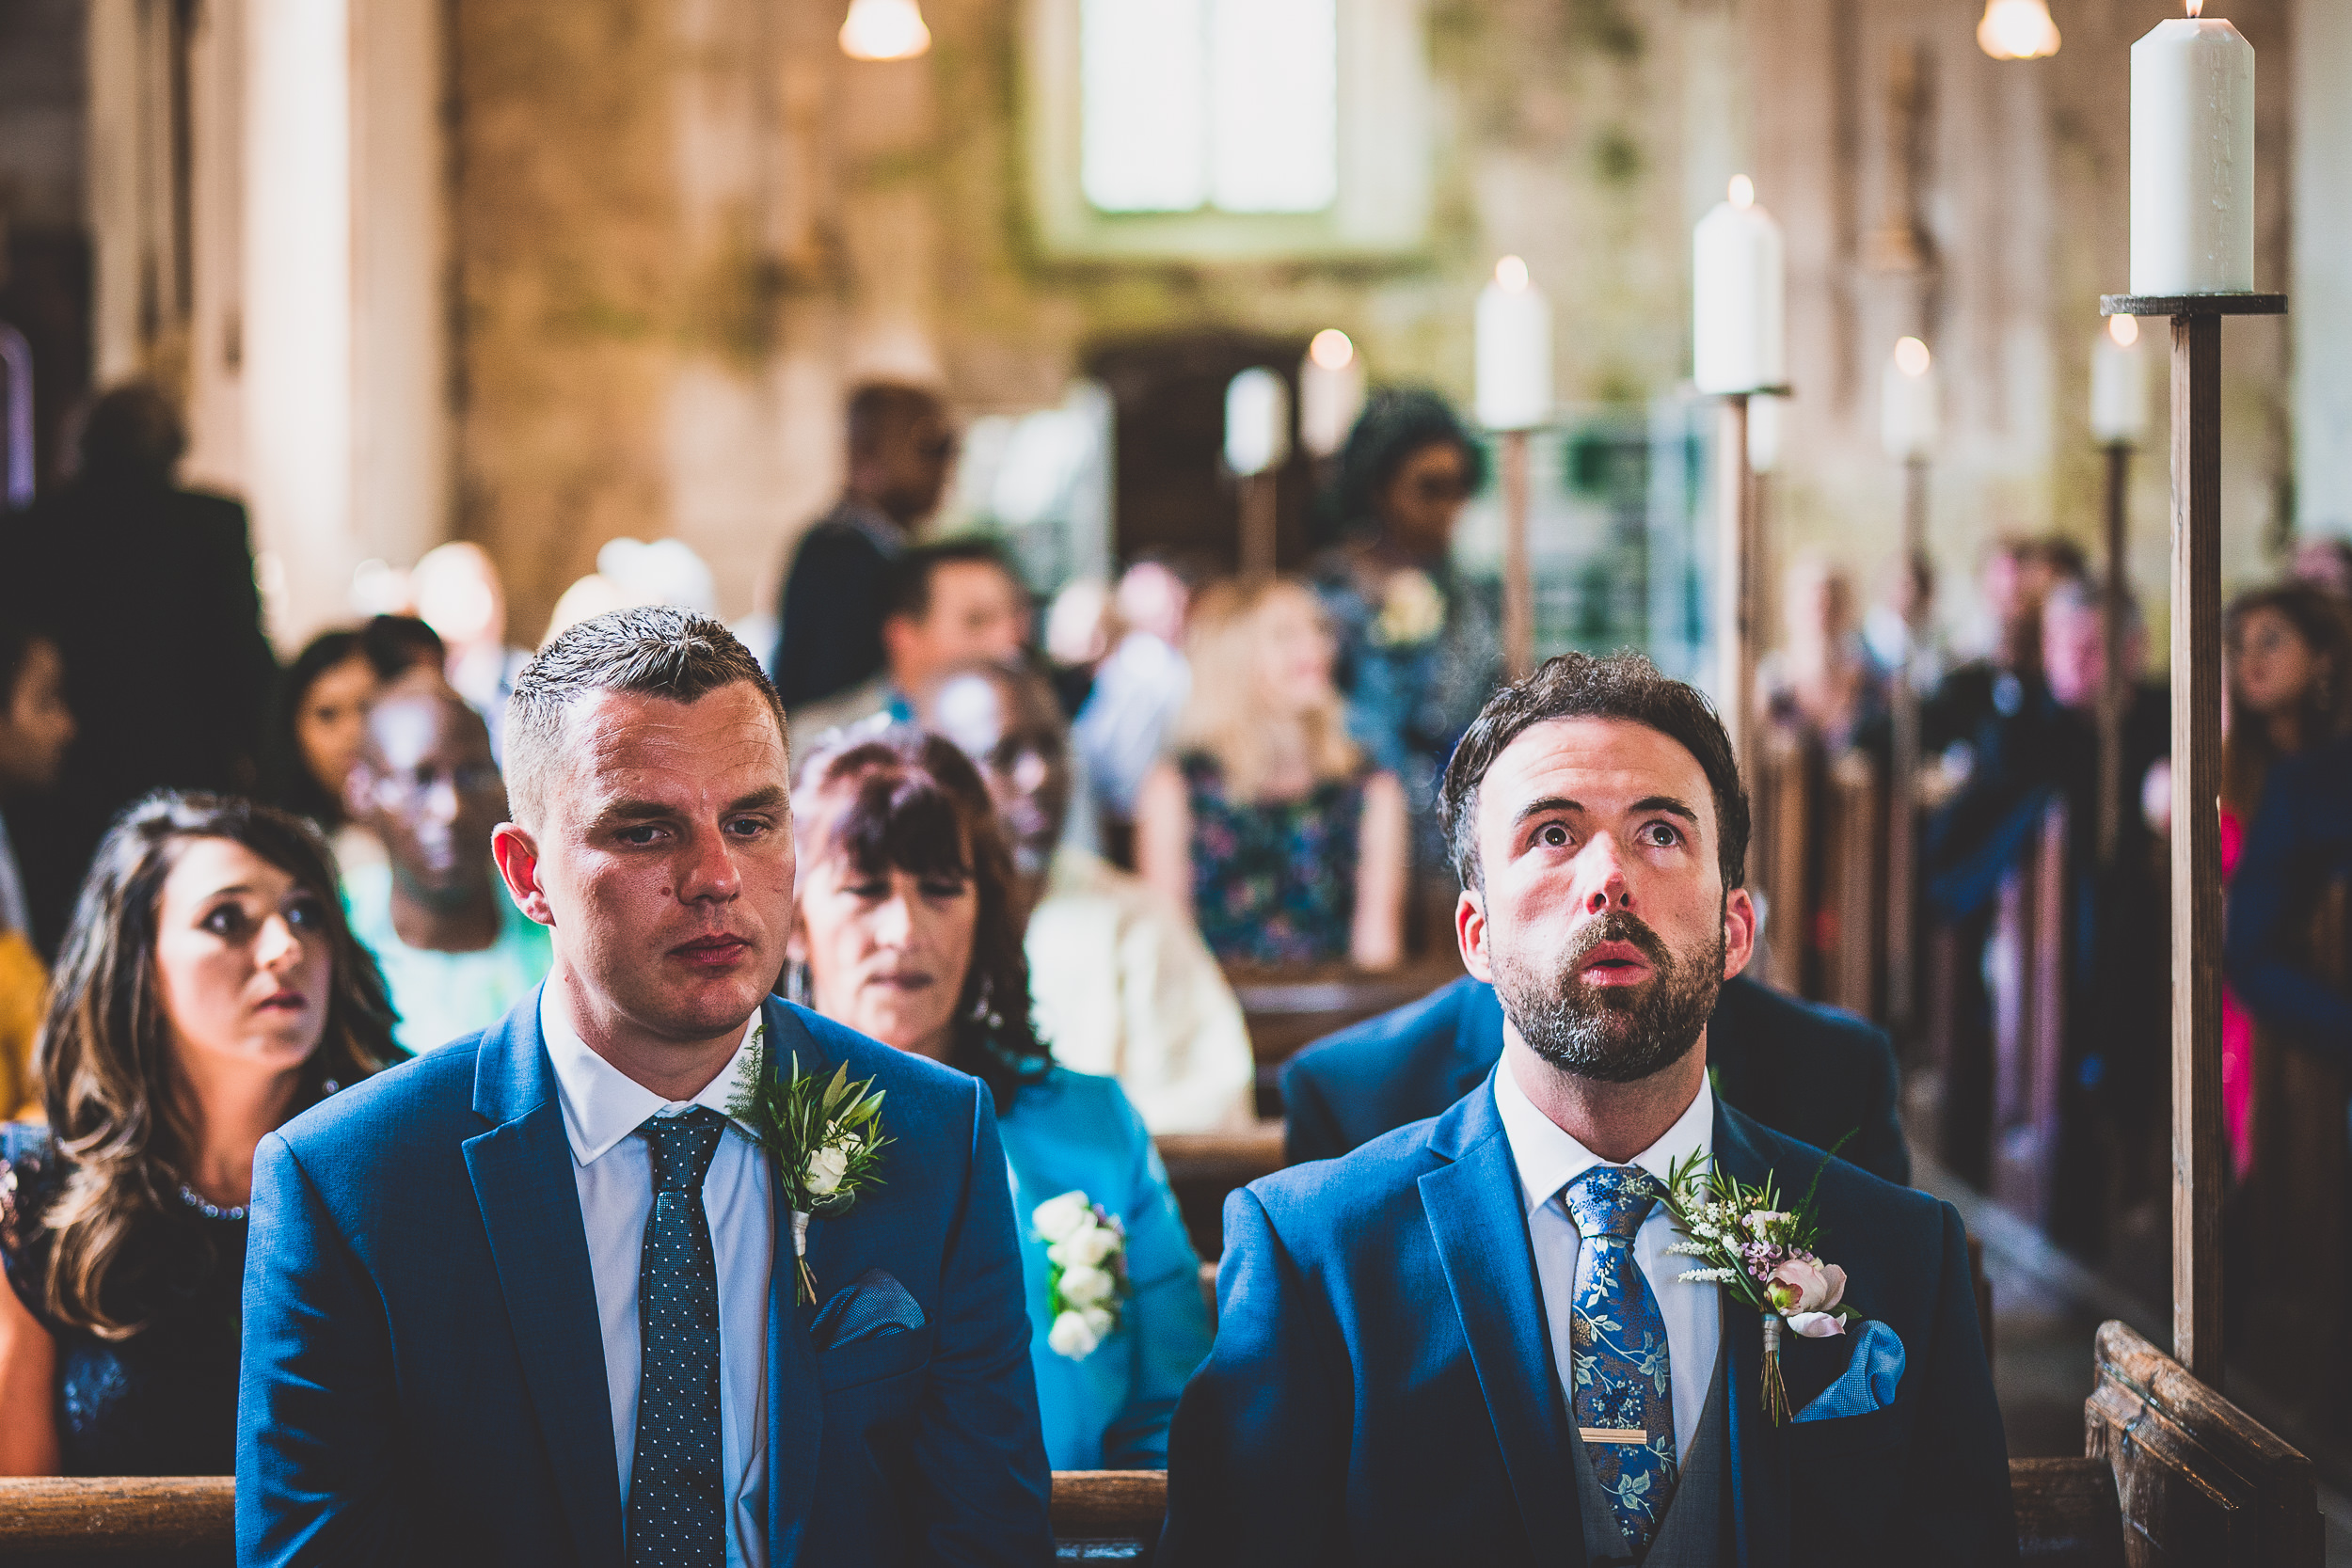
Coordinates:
(884, 30)
(2017, 30)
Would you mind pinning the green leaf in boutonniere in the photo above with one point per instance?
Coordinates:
(824, 1135)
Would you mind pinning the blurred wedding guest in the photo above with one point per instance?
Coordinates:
(454, 951)
(907, 932)
(317, 725)
(2325, 563)
(36, 727)
(2287, 692)
(396, 644)
(207, 993)
(1817, 683)
(2018, 575)
(1138, 690)
(829, 608)
(1902, 624)
(943, 604)
(1122, 984)
(1419, 648)
(459, 594)
(1269, 825)
(148, 589)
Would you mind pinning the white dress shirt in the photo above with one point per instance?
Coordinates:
(602, 1108)
(1548, 1159)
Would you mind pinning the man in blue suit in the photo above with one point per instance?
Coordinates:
(532, 1299)
(1467, 1340)
(1819, 1074)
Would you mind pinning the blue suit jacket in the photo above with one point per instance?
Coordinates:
(1383, 1391)
(1815, 1074)
(423, 1371)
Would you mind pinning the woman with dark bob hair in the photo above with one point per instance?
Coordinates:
(905, 932)
(207, 991)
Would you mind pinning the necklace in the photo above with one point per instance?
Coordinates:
(205, 1206)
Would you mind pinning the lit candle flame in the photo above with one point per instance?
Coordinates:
(1512, 273)
(1911, 357)
(1743, 191)
(2124, 330)
(2195, 8)
(1331, 349)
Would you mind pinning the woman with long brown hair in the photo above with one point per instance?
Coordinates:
(207, 991)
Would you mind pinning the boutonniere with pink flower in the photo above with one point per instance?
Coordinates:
(1086, 1255)
(1764, 1254)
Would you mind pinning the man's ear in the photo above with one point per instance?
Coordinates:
(1739, 930)
(1469, 930)
(518, 857)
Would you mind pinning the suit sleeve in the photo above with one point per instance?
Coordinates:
(1310, 1131)
(830, 637)
(316, 1416)
(980, 1452)
(1959, 1508)
(1879, 1146)
(1257, 1466)
(2274, 987)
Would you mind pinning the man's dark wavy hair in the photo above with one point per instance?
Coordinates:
(1623, 686)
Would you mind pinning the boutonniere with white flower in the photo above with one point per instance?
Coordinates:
(1086, 1251)
(824, 1136)
(1762, 1254)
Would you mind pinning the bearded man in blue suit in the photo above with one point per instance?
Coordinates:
(1467, 1341)
(531, 1298)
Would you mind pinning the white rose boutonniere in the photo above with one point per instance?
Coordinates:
(824, 1135)
(1412, 611)
(1086, 1272)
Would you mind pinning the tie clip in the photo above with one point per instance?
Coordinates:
(1637, 1435)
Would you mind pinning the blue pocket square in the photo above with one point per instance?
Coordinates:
(872, 1305)
(1869, 1380)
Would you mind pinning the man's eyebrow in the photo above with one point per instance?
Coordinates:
(1546, 805)
(1668, 804)
(634, 811)
(766, 798)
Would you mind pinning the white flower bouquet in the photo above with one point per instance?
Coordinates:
(1086, 1248)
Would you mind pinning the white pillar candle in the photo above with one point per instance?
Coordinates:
(1514, 350)
(1257, 421)
(1331, 393)
(1738, 296)
(1767, 418)
(2118, 384)
(2192, 159)
(1909, 418)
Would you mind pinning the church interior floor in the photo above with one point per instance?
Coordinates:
(2046, 1307)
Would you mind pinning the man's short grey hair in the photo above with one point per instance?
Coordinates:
(654, 651)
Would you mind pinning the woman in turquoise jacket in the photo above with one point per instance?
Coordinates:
(905, 933)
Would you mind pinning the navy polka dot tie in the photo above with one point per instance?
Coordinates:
(677, 1513)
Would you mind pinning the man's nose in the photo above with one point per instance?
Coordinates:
(709, 871)
(1601, 874)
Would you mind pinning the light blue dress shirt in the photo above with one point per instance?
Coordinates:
(612, 1169)
(1074, 1133)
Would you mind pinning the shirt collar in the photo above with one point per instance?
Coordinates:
(1549, 1159)
(603, 1104)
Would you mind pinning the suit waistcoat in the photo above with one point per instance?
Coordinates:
(1693, 1534)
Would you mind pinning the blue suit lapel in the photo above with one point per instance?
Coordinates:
(521, 1170)
(1759, 1449)
(1480, 1226)
(796, 1419)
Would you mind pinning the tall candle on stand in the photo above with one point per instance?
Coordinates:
(2118, 384)
(1514, 396)
(2192, 159)
(1738, 296)
(1331, 393)
(1257, 442)
(1910, 418)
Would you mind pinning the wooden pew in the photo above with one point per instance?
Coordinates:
(2066, 1516)
(2026, 963)
(1821, 857)
(1288, 1008)
(2198, 1481)
(1202, 1167)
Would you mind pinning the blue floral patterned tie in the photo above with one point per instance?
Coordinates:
(1623, 1396)
(677, 1513)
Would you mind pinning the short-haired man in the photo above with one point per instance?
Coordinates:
(1466, 1342)
(456, 952)
(530, 1298)
(829, 610)
(1123, 984)
(943, 604)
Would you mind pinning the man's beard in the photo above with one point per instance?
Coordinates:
(1612, 1034)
